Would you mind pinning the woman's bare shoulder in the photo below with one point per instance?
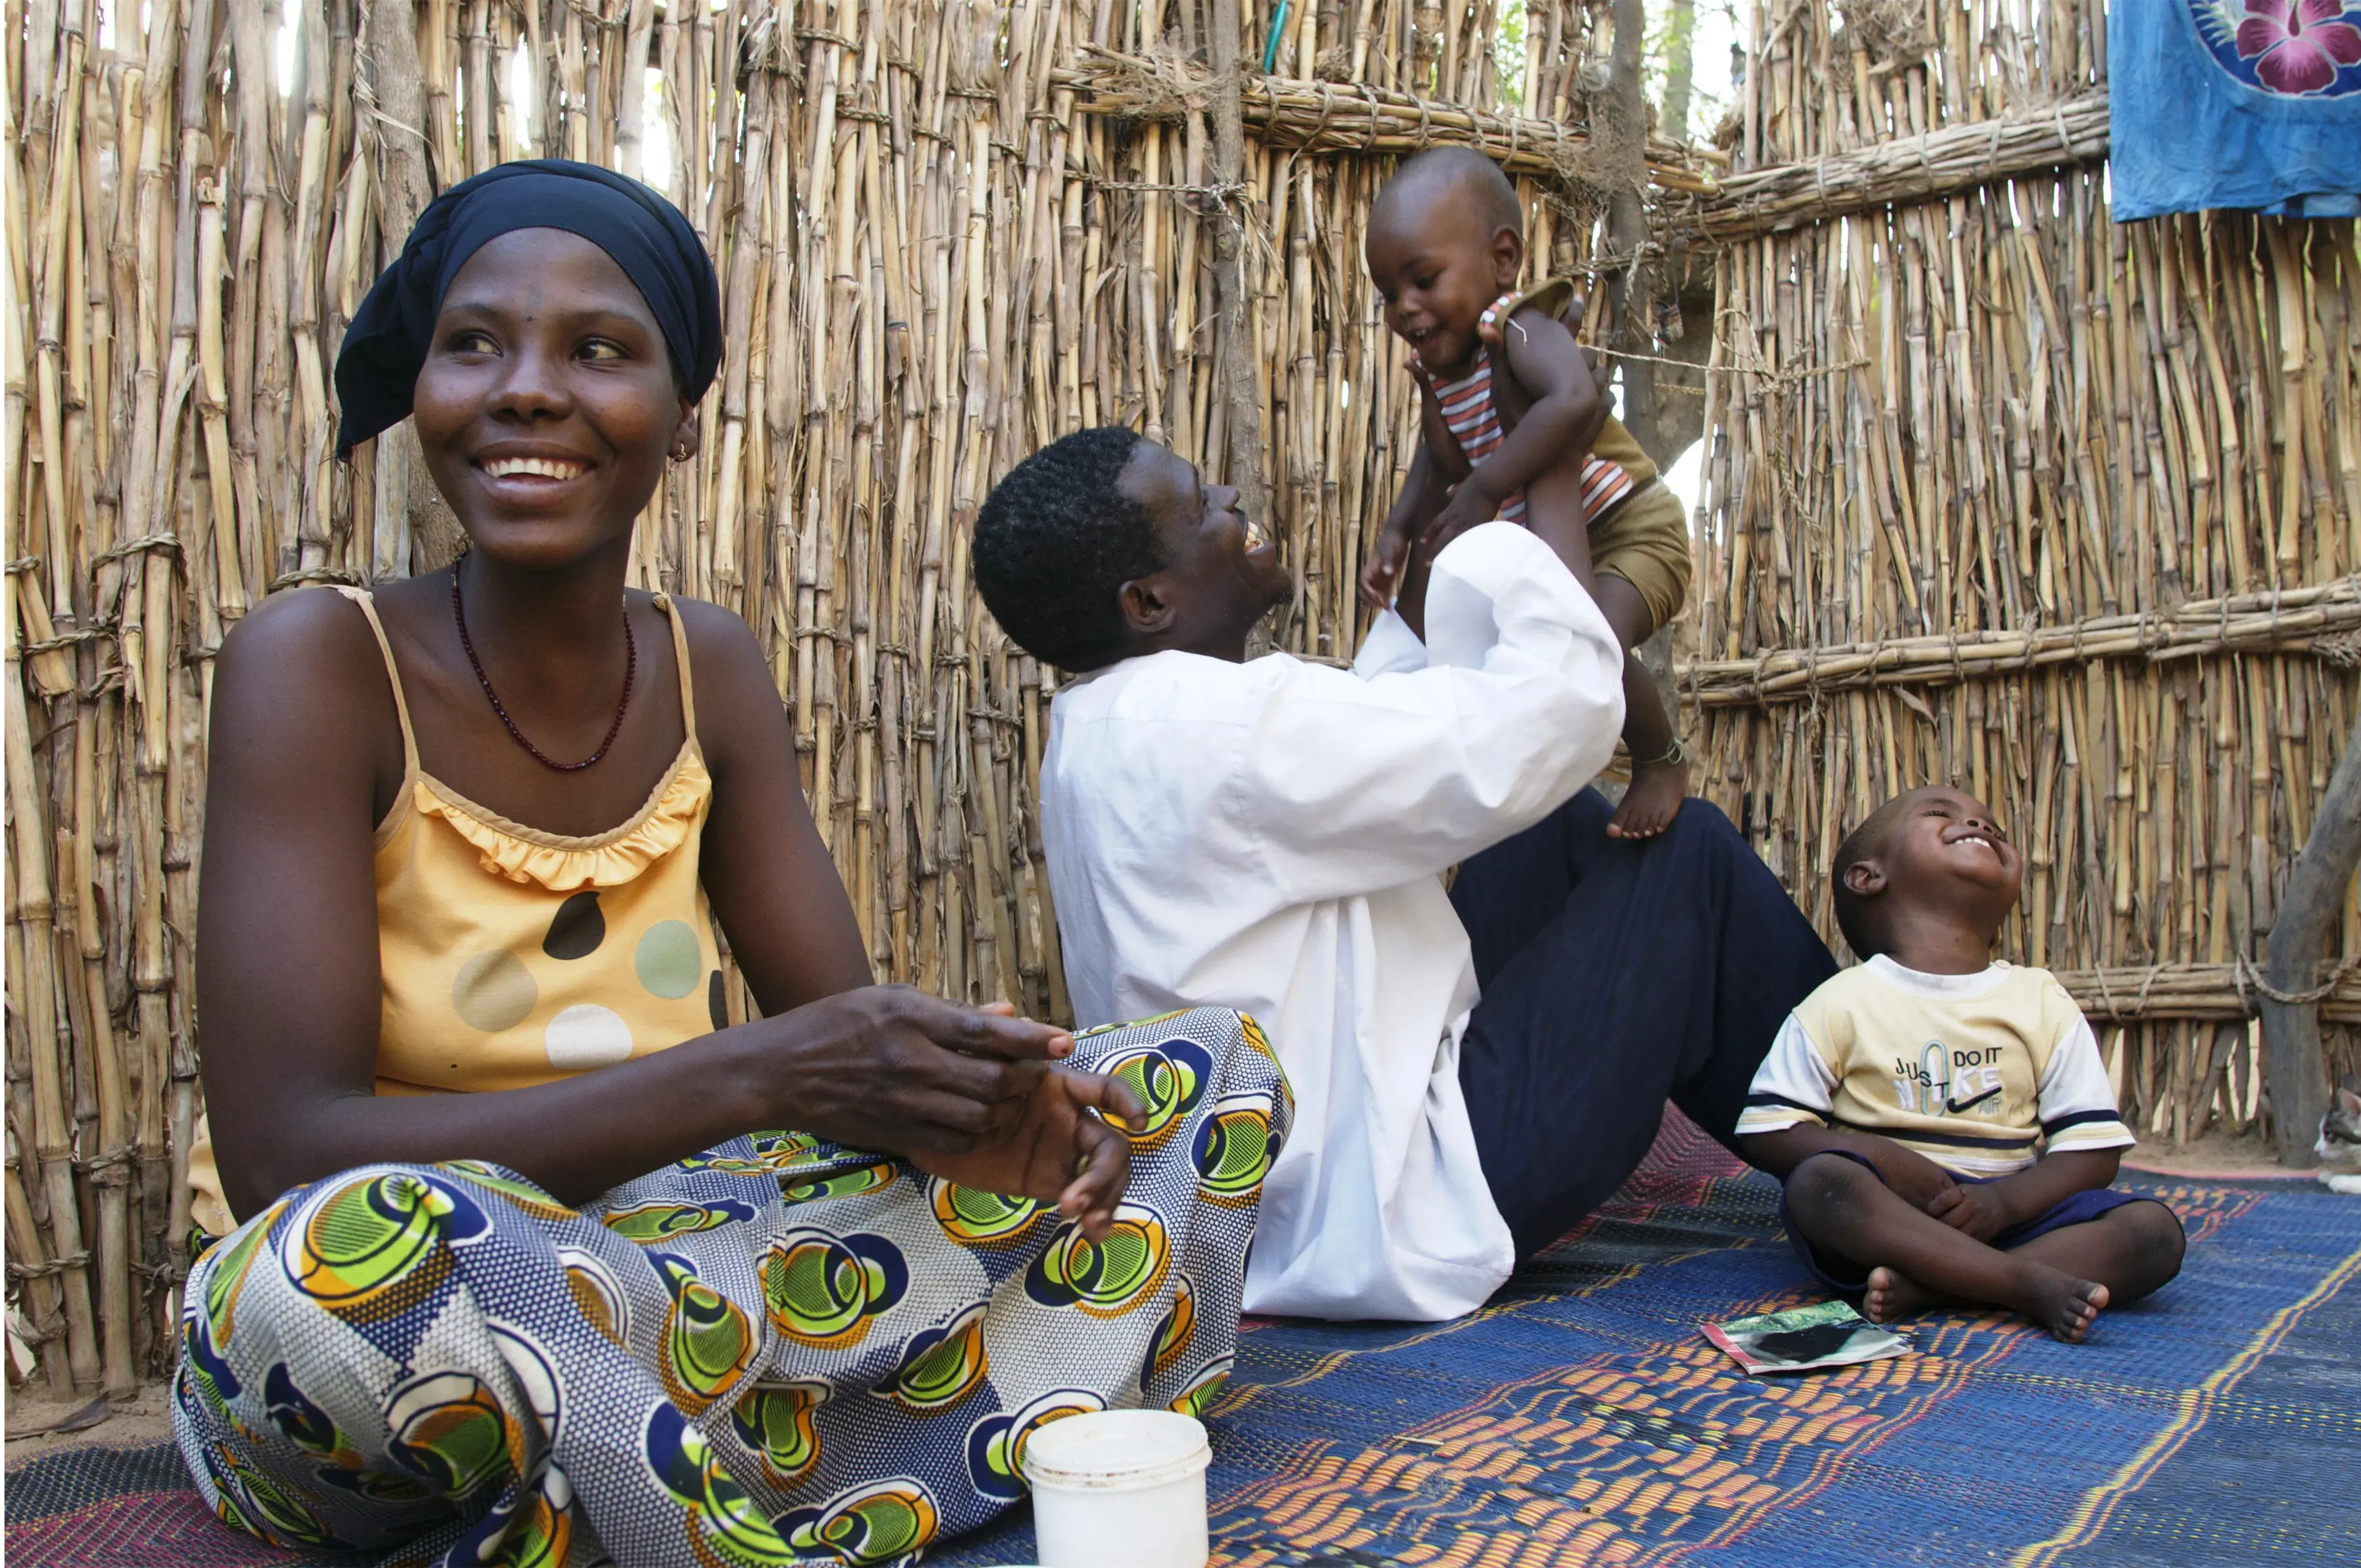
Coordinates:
(315, 621)
(721, 646)
(303, 666)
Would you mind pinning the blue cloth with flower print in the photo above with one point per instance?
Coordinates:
(2251, 103)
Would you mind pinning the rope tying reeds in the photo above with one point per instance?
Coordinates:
(49, 1270)
(2113, 1009)
(2250, 978)
(169, 544)
(1159, 83)
(316, 575)
(1885, 173)
(2287, 619)
(2210, 992)
(98, 632)
(596, 17)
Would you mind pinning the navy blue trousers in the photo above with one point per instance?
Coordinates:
(1616, 974)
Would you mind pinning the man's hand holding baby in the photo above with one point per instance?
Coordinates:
(1472, 502)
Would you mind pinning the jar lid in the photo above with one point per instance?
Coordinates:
(1116, 1450)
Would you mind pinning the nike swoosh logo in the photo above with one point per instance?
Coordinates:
(1955, 1108)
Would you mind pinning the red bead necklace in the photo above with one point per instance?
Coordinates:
(631, 671)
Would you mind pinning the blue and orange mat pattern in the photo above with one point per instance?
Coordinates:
(1581, 1418)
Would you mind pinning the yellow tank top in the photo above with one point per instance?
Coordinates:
(511, 957)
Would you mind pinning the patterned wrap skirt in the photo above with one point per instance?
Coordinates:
(779, 1351)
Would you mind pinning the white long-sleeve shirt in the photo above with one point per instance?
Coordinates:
(1269, 835)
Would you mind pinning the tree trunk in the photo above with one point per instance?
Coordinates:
(1624, 134)
(1677, 412)
(1241, 458)
(1680, 68)
(405, 185)
(2296, 1066)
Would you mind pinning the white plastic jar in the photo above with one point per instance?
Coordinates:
(1119, 1489)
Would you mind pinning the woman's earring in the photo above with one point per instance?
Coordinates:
(679, 453)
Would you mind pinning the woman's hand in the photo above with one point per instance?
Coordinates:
(1056, 1148)
(893, 1070)
(968, 1095)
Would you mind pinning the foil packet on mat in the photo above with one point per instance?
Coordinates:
(1803, 1339)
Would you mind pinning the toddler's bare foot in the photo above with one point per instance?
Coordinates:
(1894, 1294)
(1655, 798)
(2064, 1305)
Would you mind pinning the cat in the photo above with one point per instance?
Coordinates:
(2340, 1142)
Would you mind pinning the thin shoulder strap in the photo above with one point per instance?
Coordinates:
(680, 656)
(392, 672)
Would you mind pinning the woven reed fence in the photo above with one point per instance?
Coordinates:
(2004, 493)
(939, 251)
(948, 232)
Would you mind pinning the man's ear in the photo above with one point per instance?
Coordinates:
(1147, 611)
(1864, 879)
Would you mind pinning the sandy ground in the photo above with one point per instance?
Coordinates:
(2218, 1153)
(146, 1419)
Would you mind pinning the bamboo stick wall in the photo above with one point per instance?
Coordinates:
(2066, 490)
(932, 262)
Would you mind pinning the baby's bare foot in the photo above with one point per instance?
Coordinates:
(1894, 1294)
(2064, 1305)
(1650, 804)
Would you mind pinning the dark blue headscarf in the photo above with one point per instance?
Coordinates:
(386, 345)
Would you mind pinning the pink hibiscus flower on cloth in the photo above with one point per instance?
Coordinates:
(2301, 43)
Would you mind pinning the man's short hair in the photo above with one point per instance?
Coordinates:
(1856, 917)
(1055, 542)
(1453, 168)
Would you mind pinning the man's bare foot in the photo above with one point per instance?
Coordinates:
(1893, 1294)
(1655, 798)
(2064, 1305)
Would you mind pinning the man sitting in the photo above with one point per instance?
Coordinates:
(1272, 836)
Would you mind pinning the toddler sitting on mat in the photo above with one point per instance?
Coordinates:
(1942, 1122)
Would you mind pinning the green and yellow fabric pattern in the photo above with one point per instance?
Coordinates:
(777, 1352)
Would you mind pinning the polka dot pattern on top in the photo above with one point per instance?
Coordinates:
(576, 929)
(494, 992)
(668, 960)
(587, 1036)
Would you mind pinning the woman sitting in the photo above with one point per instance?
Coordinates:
(540, 1258)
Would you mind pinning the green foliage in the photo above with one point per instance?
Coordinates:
(1509, 58)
